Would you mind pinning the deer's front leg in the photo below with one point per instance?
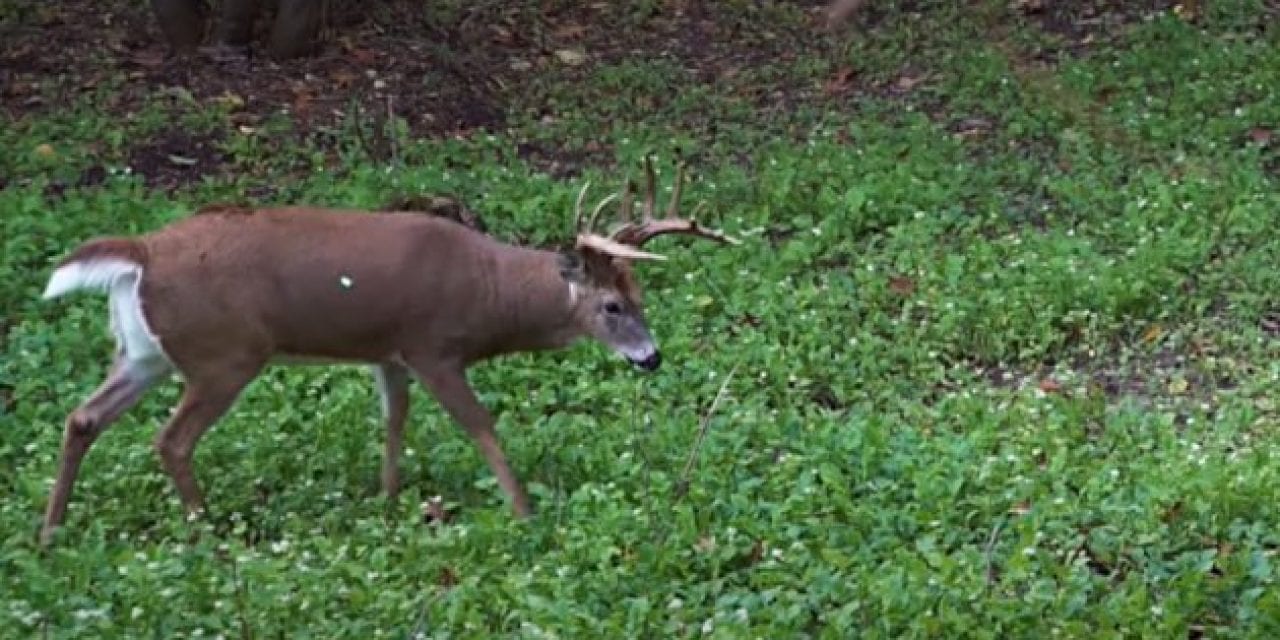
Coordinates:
(449, 385)
(211, 388)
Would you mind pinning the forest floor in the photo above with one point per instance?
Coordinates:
(998, 357)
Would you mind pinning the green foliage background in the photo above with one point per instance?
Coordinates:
(1013, 384)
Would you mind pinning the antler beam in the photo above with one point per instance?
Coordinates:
(626, 241)
(636, 233)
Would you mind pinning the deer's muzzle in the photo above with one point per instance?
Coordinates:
(650, 363)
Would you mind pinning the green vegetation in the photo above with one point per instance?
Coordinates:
(1002, 337)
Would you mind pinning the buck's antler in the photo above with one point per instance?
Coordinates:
(589, 239)
(625, 242)
(637, 232)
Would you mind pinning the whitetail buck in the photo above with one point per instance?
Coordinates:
(219, 295)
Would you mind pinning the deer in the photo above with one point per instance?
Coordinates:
(220, 295)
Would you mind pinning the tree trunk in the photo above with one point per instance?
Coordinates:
(182, 22)
(296, 31)
(235, 24)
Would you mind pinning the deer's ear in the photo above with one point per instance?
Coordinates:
(573, 267)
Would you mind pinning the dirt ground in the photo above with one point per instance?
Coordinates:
(447, 70)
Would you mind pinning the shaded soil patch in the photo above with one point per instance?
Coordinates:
(562, 162)
(91, 177)
(1162, 376)
(449, 68)
(448, 72)
(1081, 25)
(366, 62)
(176, 158)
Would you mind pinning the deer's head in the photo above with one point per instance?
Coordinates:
(607, 299)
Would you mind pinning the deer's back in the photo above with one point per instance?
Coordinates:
(308, 282)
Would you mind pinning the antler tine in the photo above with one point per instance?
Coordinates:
(577, 207)
(673, 207)
(650, 193)
(595, 213)
(636, 233)
(625, 212)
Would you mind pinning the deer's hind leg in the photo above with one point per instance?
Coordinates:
(125, 385)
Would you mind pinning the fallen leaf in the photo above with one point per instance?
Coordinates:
(570, 31)
(433, 511)
(1049, 385)
(302, 104)
(363, 56)
(1270, 322)
(244, 118)
(230, 100)
(1172, 512)
(907, 83)
(1020, 509)
(1153, 333)
(841, 11)
(343, 78)
(840, 82)
(447, 578)
(1178, 386)
(502, 35)
(571, 57)
(45, 151)
(970, 127)
(1202, 346)
(1261, 135)
(148, 58)
(705, 544)
(902, 285)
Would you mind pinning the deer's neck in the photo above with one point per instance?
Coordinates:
(534, 303)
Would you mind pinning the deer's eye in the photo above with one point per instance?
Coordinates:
(612, 308)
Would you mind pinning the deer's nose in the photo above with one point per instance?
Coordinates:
(650, 363)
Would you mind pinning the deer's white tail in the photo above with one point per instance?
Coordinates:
(96, 274)
(114, 265)
(98, 265)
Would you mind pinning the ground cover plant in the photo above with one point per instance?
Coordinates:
(998, 357)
